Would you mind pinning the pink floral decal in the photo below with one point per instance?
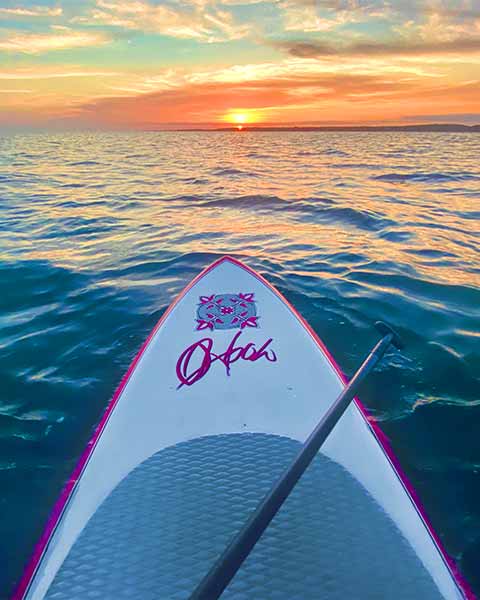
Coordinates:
(250, 322)
(201, 324)
(246, 297)
(227, 311)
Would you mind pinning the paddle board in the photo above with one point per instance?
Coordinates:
(217, 402)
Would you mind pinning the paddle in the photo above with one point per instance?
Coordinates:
(222, 572)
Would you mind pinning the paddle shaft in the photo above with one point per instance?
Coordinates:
(222, 572)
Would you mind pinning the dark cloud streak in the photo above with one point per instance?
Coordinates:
(466, 118)
(312, 49)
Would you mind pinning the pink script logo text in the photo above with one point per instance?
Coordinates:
(201, 355)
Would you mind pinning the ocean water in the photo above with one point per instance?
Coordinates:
(100, 231)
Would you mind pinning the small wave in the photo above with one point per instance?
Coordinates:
(81, 231)
(259, 155)
(84, 163)
(429, 253)
(402, 152)
(231, 172)
(360, 219)
(426, 177)
(309, 209)
(255, 202)
(72, 185)
(366, 166)
(194, 180)
(335, 152)
(474, 215)
(21, 178)
(397, 236)
(82, 204)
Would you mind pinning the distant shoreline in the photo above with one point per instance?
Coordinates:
(428, 127)
(434, 127)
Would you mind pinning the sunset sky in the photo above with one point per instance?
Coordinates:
(152, 64)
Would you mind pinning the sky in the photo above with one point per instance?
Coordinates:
(152, 64)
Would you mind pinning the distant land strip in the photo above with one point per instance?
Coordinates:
(440, 127)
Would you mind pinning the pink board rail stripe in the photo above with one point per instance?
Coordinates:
(67, 492)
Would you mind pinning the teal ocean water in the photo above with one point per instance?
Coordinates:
(100, 231)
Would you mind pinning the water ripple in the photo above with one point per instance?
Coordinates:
(428, 177)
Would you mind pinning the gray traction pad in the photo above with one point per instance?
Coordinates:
(161, 528)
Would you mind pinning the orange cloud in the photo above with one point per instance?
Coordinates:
(15, 91)
(32, 11)
(281, 100)
(20, 74)
(36, 43)
(202, 21)
(318, 16)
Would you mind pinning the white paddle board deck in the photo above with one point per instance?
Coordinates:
(215, 405)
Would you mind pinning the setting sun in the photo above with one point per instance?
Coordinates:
(240, 118)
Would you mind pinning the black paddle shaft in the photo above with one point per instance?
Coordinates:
(222, 572)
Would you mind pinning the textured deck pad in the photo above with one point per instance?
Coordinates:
(159, 531)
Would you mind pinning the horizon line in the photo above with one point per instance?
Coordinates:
(214, 127)
(413, 127)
